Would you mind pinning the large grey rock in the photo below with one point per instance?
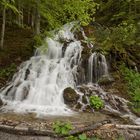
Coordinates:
(70, 96)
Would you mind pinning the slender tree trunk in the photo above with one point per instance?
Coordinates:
(3, 27)
(29, 16)
(33, 18)
(22, 18)
(37, 22)
(19, 15)
(130, 8)
(37, 18)
(135, 6)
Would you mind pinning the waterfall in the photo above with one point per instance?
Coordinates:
(39, 84)
(90, 45)
(97, 67)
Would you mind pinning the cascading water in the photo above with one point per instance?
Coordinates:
(39, 84)
(97, 67)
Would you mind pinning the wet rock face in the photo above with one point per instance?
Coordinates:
(2, 82)
(80, 75)
(70, 96)
(1, 103)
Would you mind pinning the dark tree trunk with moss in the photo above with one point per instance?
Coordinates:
(3, 27)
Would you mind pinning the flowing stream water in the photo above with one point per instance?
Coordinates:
(97, 67)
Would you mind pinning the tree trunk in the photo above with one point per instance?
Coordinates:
(29, 16)
(37, 22)
(37, 18)
(19, 15)
(22, 18)
(3, 27)
(33, 19)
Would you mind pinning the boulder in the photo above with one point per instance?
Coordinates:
(105, 80)
(84, 99)
(78, 106)
(70, 97)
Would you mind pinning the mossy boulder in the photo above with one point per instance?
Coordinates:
(70, 97)
(105, 80)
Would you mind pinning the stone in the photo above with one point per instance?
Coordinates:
(105, 80)
(88, 108)
(70, 96)
(84, 99)
(80, 75)
(78, 106)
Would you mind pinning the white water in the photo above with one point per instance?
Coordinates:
(97, 67)
(39, 84)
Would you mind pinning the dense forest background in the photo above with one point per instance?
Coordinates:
(112, 25)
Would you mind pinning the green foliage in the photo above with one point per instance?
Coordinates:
(8, 72)
(96, 102)
(60, 12)
(71, 138)
(132, 79)
(40, 43)
(83, 137)
(125, 34)
(9, 4)
(120, 138)
(62, 127)
(37, 41)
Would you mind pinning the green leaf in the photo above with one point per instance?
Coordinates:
(83, 137)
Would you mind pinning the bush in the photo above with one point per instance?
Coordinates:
(132, 79)
(8, 71)
(96, 102)
(62, 128)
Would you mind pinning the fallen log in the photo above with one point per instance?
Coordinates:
(134, 127)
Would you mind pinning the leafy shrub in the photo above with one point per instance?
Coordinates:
(132, 79)
(96, 102)
(62, 128)
(37, 41)
(8, 71)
